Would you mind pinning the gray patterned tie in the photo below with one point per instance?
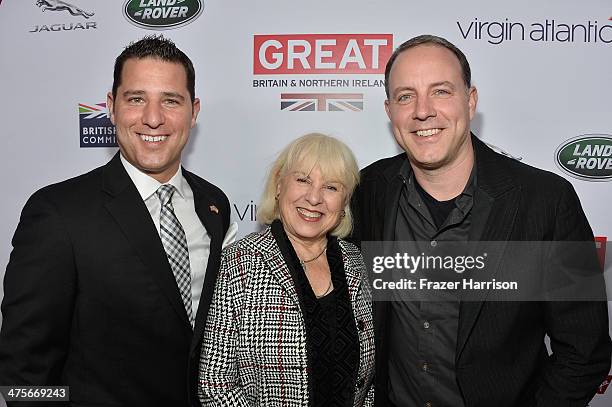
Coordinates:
(175, 243)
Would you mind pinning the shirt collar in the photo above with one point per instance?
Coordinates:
(406, 173)
(147, 185)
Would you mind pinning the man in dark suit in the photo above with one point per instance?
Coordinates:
(448, 186)
(112, 272)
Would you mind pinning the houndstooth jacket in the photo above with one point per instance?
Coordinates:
(254, 345)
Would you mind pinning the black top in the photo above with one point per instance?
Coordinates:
(332, 343)
(439, 210)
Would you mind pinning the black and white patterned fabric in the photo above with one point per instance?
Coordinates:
(254, 344)
(175, 243)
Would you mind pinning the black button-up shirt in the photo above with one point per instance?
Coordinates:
(423, 334)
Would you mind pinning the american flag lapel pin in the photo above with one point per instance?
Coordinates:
(214, 209)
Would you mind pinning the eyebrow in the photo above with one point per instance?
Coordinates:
(133, 92)
(443, 83)
(335, 181)
(433, 85)
(173, 95)
(328, 181)
(164, 94)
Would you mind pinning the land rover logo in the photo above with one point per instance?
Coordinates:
(162, 14)
(587, 157)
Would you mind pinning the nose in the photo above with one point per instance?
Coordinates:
(153, 115)
(423, 108)
(314, 195)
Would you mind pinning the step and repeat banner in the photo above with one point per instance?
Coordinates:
(269, 71)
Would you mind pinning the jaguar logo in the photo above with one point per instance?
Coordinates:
(58, 5)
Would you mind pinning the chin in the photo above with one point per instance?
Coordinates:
(309, 232)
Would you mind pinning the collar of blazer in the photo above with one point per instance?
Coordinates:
(275, 262)
(116, 181)
(496, 185)
(494, 171)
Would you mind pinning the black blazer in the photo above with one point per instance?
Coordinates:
(501, 358)
(90, 300)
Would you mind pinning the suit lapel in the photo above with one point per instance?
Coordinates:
(389, 205)
(390, 199)
(495, 204)
(208, 211)
(132, 216)
(275, 262)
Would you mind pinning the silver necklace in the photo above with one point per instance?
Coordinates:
(329, 288)
(303, 264)
(314, 258)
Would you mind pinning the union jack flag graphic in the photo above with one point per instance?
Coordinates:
(322, 102)
(92, 112)
(97, 130)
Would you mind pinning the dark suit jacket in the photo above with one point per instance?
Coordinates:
(90, 300)
(501, 359)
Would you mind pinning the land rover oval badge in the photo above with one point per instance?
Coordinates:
(587, 157)
(162, 14)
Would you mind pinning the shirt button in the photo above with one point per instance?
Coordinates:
(426, 325)
(434, 243)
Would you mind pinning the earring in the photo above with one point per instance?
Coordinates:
(343, 214)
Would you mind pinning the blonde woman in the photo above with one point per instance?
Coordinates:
(291, 323)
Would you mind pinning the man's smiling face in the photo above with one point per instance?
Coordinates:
(153, 114)
(430, 107)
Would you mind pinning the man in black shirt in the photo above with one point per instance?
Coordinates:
(448, 186)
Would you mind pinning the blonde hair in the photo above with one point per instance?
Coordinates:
(333, 158)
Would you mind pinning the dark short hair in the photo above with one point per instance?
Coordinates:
(154, 46)
(430, 40)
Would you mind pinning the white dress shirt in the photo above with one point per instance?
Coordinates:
(198, 239)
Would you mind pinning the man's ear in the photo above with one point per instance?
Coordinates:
(110, 106)
(472, 101)
(195, 109)
(387, 109)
